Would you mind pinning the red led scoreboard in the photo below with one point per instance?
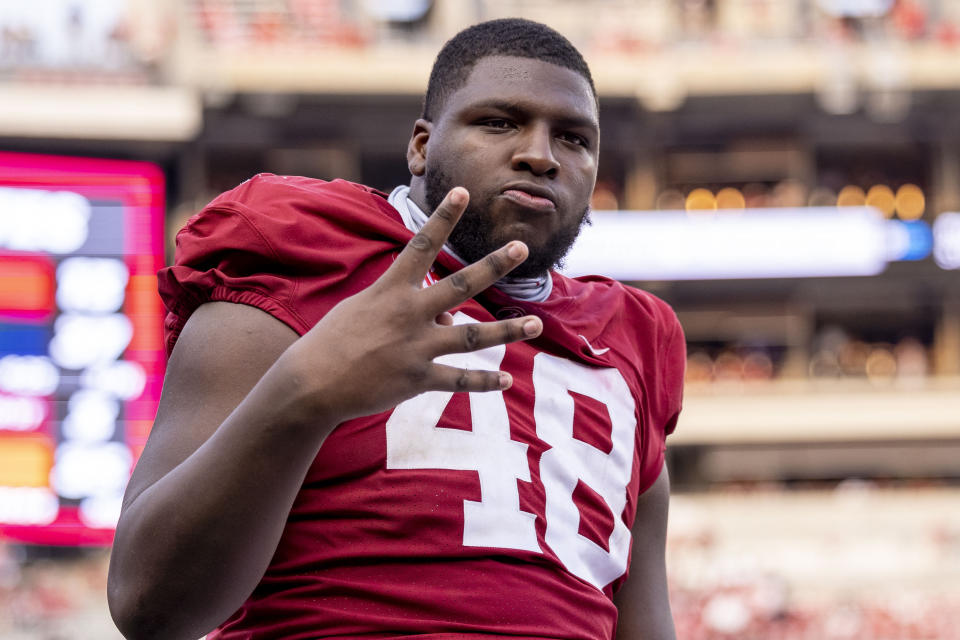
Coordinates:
(81, 353)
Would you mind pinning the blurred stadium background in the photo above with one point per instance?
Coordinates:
(786, 173)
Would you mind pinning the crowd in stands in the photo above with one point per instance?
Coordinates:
(836, 354)
(83, 43)
(853, 561)
(53, 594)
(758, 611)
(122, 37)
(620, 25)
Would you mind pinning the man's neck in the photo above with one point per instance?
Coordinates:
(418, 193)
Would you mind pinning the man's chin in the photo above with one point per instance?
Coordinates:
(535, 266)
(520, 273)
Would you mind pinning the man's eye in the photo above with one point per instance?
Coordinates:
(497, 123)
(573, 138)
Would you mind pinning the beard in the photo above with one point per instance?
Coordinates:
(475, 235)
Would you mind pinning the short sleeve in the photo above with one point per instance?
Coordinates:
(222, 256)
(674, 359)
(664, 373)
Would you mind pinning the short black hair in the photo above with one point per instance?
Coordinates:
(505, 37)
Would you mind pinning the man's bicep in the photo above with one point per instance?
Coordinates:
(643, 600)
(222, 352)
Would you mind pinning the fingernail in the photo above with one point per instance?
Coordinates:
(458, 195)
(531, 327)
(515, 250)
(505, 380)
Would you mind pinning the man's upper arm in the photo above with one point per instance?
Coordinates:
(222, 352)
(643, 600)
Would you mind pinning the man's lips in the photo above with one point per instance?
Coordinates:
(529, 200)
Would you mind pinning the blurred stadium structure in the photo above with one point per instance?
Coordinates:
(786, 173)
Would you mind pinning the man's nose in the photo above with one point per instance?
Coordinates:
(534, 152)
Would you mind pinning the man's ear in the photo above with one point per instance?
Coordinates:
(417, 147)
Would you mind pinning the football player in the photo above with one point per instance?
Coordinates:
(386, 415)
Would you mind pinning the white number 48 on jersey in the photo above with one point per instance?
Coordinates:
(415, 442)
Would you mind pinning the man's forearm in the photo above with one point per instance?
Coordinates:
(643, 601)
(193, 545)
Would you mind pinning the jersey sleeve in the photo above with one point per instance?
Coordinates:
(667, 370)
(222, 255)
(674, 359)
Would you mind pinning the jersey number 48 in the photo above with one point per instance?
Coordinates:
(414, 441)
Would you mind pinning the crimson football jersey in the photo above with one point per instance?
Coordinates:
(505, 513)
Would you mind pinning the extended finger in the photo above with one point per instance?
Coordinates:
(474, 336)
(415, 260)
(446, 378)
(472, 279)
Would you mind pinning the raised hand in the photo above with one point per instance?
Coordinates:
(376, 348)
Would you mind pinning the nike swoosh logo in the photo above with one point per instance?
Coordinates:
(596, 352)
